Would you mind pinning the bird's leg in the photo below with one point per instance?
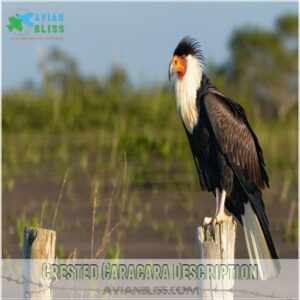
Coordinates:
(220, 215)
(207, 220)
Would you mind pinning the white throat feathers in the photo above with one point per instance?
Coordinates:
(186, 92)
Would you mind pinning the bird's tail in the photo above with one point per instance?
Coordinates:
(259, 242)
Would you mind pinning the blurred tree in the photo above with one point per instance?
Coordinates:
(287, 27)
(264, 65)
(61, 79)
(118, 81)
(63, 73)
(92, 85)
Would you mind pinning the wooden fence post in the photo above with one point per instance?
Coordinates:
(215, 245)
(38, 248)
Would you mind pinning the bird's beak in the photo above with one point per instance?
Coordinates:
(171, 69)
(177, 65)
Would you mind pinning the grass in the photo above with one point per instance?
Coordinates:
(95, 204)
(151, 155)
(59, 198)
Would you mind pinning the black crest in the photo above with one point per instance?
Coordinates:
(188, 46)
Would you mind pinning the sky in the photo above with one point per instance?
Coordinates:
(139, 36)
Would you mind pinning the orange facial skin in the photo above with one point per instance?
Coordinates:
(179, 65)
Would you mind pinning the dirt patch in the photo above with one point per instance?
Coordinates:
(166, 228)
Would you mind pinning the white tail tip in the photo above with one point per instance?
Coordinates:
(258, 249)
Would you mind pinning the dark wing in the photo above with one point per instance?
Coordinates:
(235, 137)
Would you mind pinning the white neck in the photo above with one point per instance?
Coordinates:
(186, 92)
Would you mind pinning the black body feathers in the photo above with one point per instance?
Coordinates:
(228, 156)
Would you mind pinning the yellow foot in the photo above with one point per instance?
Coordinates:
(220, 218)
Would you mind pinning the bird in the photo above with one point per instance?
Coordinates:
(26, 18)
(227, 154)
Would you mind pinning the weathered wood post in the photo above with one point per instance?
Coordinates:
(215, 246)
(38, 248)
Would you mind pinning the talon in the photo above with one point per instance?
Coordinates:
(214, 221)
(212, 227)
(207, 221)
